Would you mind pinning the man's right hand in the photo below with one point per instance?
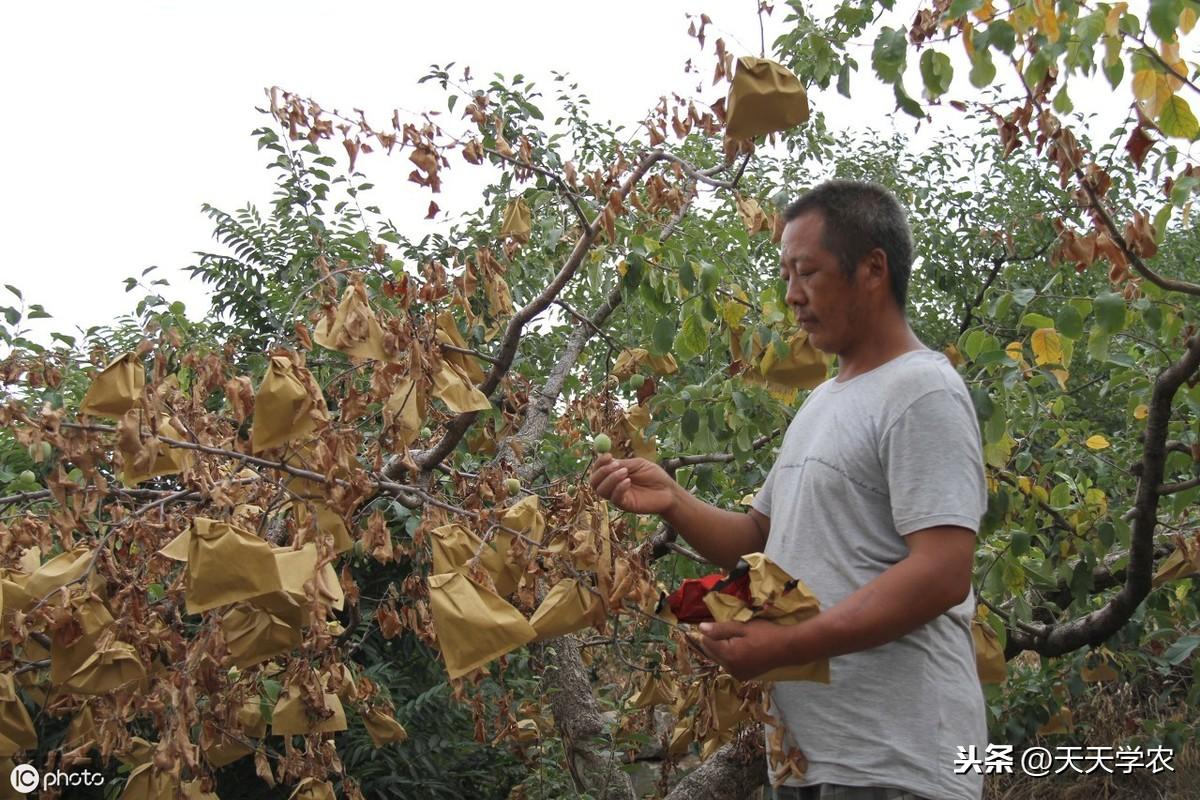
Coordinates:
(634, 484)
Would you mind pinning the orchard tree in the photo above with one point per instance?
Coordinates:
(257, 541)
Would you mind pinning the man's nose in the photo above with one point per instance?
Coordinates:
(796, 296)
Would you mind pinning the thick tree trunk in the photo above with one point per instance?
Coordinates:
(734, 772)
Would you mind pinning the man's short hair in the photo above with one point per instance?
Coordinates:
(859, 217)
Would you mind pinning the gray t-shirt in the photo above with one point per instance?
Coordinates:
(864, 463)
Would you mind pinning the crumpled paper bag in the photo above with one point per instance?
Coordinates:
(774, 596)
(658, 689)
(16, 728)
(66, 657)
(297, 567)
(288, 406)
(447, 333)
(804, 366)
(989, 655)
(452, 386)
(403, 410)
(165, 460)
(148, 782)
(81, 729)
(226, 750)
(116, 389)
(114, 665)
(630, 361)
(194, 790)
(226, 564)
(383, 727)
(567, 607)
(474, 625)
(58, 572)
(633, 422)
(1183, 562)
(254, 636)
(765, 97)
(354, 330)
(313, 789)
(291, 719)
(517, 220)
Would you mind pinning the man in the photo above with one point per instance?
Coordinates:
(873, 502)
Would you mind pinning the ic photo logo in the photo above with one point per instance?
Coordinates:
(24, 778)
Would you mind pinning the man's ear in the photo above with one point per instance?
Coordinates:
(874, 270)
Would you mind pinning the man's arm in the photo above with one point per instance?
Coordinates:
(934, 577)
(640, 486)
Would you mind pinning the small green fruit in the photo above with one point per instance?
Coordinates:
(635, 381)
(426, 433)
(512, 485)
(601, 443)
(27, 476)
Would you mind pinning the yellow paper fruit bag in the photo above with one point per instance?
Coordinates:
(765, 98)
(452, 386)
(116, 389)
(288, 406)
(474, 625)
(16, 728)
(383, 727)
(290, 717)
(354, 329)
(566, 608)
(516, 220)
(155, 458)
(313, 789)
(254, 636)
(148, 782)
(226, 564)
(113, 666)
(989, 655)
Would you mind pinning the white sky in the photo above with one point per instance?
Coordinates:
(123, 117)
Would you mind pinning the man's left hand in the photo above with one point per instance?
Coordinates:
(745, 649)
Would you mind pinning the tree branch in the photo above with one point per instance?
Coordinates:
(1097, 626)
(734, 772)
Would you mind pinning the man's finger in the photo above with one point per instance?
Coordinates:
(720, 631)
(611, 481)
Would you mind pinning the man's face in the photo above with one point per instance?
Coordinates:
(826, 303)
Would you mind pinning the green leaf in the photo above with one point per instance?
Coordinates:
(663, 335)
(691, 339)
(843, 80)
(1097, 346)
(1001, 36)
(1032, 320)
(1020, 543)
(687, 276)
(888, 54)
(960, 8)
(1062, 102)
(936, 72)
(636, 268)
(1024, 295)
(906, 103)
(1110, 312)
(983, 71)
(1179, 652)
(690, 424)
(1164, 18)
(1069, 322)
(973, 343)
(14, 290)
(1177, 119)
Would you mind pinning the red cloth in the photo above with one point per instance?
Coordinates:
(687, 602)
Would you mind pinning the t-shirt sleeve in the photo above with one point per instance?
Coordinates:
(933, 460)
(762, 501)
